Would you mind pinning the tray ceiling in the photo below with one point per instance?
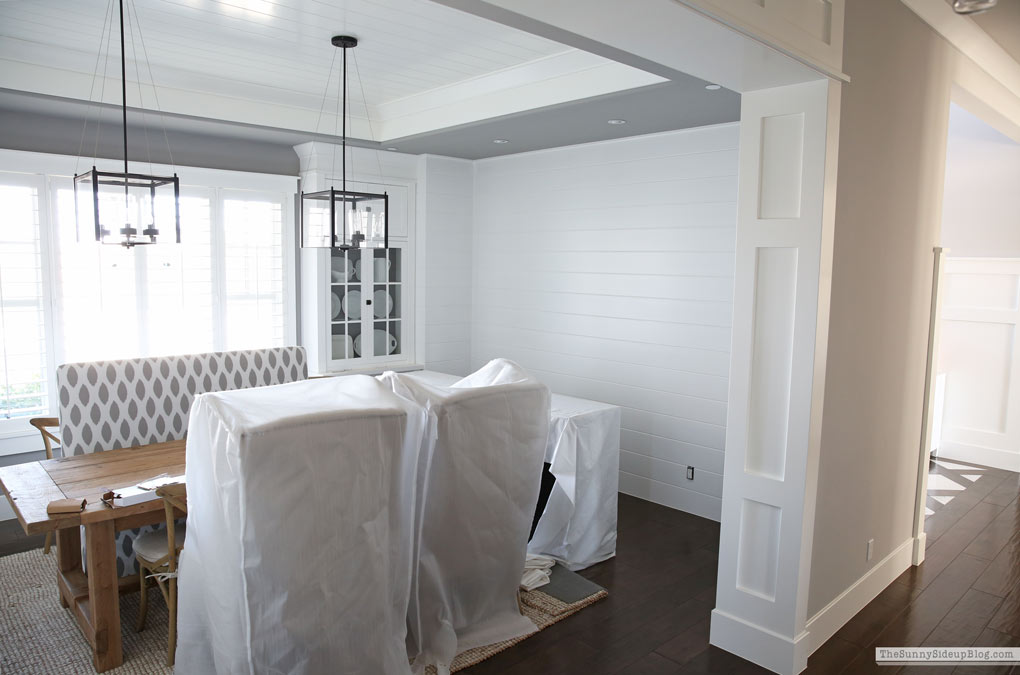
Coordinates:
(423, 66)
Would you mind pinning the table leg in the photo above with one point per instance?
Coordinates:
(68, 553)
(104, 596)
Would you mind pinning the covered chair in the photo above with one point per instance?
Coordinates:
(300, 530)
(486, 443)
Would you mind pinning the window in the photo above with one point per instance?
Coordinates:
(24, 389)
(253, 270)
(224, 287)
(145, 301)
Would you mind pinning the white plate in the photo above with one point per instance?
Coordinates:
(352, 304)
(343, 347)
(341, 270)
(381, 339)
(382, 304)
(335, 304)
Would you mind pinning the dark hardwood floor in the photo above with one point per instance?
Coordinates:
(967, 591)
(662, 589)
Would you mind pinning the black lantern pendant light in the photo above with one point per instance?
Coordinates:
(127, 209)
(344, 219)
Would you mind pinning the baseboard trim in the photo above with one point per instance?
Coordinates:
(977, 454)
(920, 546)
(847, 604)
(759, 645)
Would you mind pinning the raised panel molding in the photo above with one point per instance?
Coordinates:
(979, 354)
(782, 167)
(772, 364)
(758, 555)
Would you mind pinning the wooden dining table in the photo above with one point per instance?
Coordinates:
(91, 596)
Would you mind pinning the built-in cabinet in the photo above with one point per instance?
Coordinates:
(366, 306)
(358, 305)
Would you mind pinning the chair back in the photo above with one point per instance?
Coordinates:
(121, 404)
(301, 511)
(44, 424)
(488, 435)
(174, 498)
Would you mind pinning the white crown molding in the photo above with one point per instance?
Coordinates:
(964, 33)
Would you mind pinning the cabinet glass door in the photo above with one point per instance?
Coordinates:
(366, 304)
(345, 307)
(387, 304)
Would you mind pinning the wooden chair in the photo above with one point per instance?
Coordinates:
(157, 558)
(43, 424)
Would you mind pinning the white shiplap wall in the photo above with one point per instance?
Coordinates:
(447, 196)
(607, 270)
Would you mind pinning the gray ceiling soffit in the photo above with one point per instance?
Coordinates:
(661, 107)
(43, 104)
(657, 108)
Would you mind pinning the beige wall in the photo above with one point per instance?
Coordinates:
(891, 159)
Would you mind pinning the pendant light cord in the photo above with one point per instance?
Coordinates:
(344, 122)
(123, 104)
(364, 100)
(92, 87)
(155, 93)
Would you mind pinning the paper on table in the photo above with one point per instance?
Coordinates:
(143, 492)
(159, 481)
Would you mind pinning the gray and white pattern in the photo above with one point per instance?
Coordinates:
(105, 405)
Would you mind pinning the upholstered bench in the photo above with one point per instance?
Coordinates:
(105, 405)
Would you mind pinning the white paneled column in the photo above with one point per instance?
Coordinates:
(781, 295)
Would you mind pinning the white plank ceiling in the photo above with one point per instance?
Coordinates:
(420, 66)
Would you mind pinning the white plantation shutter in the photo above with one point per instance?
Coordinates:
(254, 315)
(226, 286)
(145, 301)
(220, 289)
(24, 373)
(178, 311)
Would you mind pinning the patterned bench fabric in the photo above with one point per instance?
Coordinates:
(106, 405)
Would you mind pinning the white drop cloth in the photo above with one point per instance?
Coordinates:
(578, 525)
(486, 440)
(300, 530)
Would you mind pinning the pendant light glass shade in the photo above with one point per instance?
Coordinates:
(127, 209)
(123, 208)
(342, 218)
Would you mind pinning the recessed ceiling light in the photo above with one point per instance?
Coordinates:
(617, 121)
(713, 87)
(500, 141)
(391, 149)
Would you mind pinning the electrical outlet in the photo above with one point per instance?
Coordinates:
(871, 548)
(690, 473)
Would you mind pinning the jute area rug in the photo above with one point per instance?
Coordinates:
(38, 636)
